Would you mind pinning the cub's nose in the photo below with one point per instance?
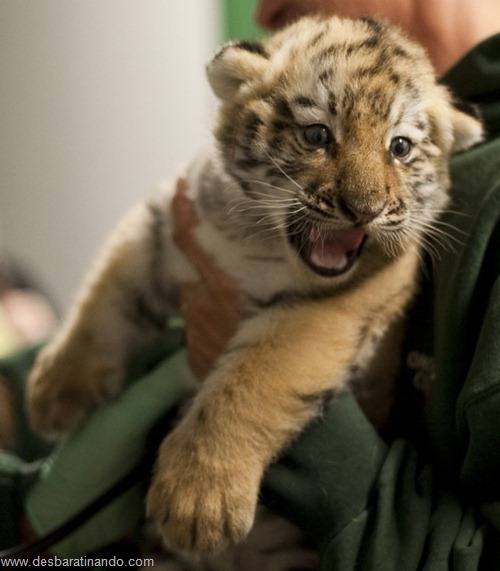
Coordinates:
(361, 211)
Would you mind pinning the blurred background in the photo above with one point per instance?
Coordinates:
(99, 101)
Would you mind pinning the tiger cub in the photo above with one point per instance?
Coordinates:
(328, 167)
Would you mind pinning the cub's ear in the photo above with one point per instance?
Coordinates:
(235, 64)
(467, 126)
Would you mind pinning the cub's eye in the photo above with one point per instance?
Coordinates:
(317, 135)
(401, 147)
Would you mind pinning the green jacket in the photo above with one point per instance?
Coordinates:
(427, 495)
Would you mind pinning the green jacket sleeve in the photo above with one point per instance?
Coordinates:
(80, 468)
(370, 506)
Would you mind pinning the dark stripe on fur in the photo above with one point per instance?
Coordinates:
(283, 110)
(304, 101)
(143, 314)
(158, 232)
(252, 47)
(467, 107)
(373, 24)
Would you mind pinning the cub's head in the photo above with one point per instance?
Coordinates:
(339, 135)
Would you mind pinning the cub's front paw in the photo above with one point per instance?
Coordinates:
(65, 385)
(201, 500)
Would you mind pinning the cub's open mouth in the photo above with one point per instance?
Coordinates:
(327, 252)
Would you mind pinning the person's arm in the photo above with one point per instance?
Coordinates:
(212, 307)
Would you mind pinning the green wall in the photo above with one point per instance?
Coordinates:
(238, 21)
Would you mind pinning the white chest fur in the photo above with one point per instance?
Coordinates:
(260, 272)
(262, 266)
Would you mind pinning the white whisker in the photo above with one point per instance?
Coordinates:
(283, 172)
(269, 185)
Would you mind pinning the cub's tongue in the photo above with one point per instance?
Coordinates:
(331, 250)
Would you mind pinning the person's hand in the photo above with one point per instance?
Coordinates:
(212, 307)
